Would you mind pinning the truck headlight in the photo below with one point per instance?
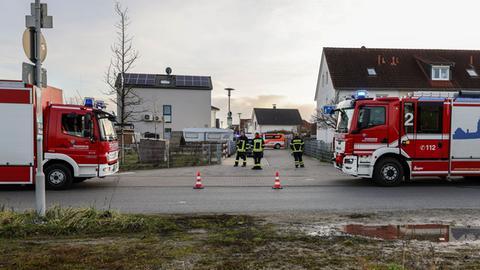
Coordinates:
(348, 160)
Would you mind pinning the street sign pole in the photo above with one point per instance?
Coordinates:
(35, 49)
(40, 176)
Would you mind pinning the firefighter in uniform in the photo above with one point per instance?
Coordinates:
(297, 146)
(242, 142)
(258, 144)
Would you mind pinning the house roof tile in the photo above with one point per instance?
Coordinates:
(400, 68)
(282, 117)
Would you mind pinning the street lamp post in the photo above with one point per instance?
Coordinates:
(229, 116)
(239, 121)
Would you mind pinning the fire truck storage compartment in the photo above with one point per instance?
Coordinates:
(465, 130)
(16, 143)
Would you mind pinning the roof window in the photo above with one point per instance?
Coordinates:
(440, 73)
(472, 72)
(371, 72)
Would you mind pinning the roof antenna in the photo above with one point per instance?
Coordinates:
(168, 70)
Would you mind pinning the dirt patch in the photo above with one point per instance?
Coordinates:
(284, 241)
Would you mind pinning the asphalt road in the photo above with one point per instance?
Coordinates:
(241, 190)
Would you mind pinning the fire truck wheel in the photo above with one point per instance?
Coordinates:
(388, 172)
(58, 177)
(277, 146)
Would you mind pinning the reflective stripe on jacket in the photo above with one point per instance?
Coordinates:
(258, 145)
(297, 145)
(241, 145)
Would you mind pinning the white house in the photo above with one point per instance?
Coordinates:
(214, 122)
(272, 119)
(169, 103)
(391, 72)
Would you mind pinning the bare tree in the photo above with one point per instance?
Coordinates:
(326, 121)
(75, 100)
(123, 59)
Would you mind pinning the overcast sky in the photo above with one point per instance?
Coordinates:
(269, 50)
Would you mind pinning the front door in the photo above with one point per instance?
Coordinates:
(371, 129)
(76, 141)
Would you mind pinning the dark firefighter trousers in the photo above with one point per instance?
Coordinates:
(241, 155)
(298, 156)
(257, 158)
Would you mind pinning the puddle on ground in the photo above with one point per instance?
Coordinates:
(421, 232)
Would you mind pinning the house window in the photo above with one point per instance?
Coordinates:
(440, 73)
(168, 133)
(326, 78)
(167, 113)
(472, 72)
(371, 72)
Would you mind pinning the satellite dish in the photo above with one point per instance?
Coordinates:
(168, 70)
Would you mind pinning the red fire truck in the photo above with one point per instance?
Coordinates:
(79, 142)
(395, 139)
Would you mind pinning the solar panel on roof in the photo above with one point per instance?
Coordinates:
(131, 78)
(150, 80)
(141, 78)
(192, 81)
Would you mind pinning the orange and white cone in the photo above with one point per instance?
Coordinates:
(277, 184)
(198, 183)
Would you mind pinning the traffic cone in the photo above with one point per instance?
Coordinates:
(277, 184)
(198, 183)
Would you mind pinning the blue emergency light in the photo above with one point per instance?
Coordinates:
(88, 102)
(361, 94)
(100, 104)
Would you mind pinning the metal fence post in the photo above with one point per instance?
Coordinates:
(167, 149)
(219, 153)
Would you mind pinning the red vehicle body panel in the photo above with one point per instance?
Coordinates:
(432, 136)
(88, 158)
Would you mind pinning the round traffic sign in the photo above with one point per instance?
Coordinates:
(28, 41)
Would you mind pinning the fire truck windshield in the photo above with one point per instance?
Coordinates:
(107, 131)
(344, 120)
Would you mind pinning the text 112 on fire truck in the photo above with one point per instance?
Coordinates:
(79, 141)
(395, 139)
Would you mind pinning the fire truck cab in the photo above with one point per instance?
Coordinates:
(395, 139)
(79, 142)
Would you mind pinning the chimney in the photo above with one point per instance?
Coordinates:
(274, 106)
